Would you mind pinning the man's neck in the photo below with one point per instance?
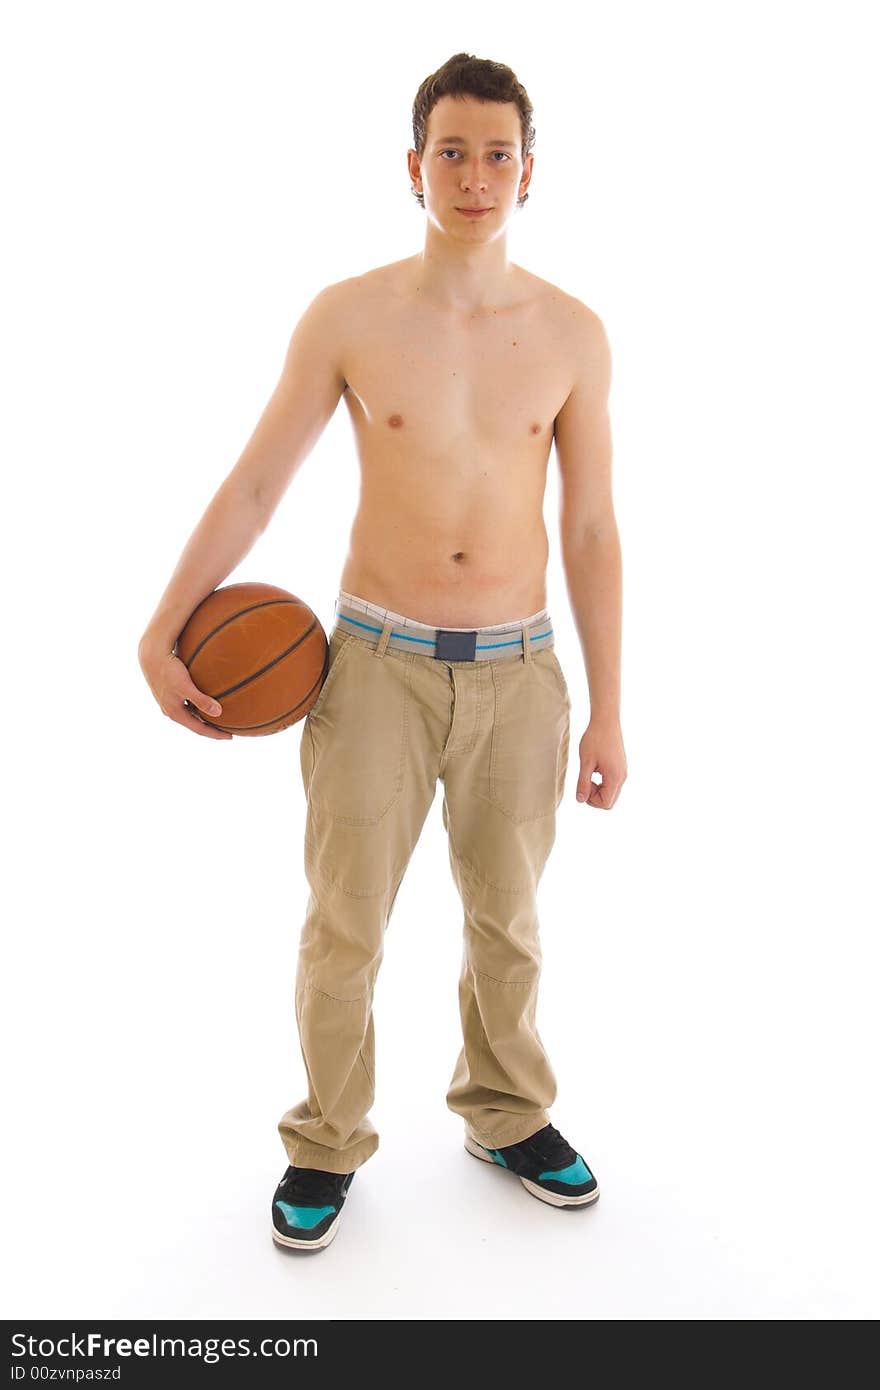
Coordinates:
(451, 275)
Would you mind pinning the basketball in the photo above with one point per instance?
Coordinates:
(260, 652)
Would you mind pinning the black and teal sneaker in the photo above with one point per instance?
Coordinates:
(546, 1165)
(306, 1207)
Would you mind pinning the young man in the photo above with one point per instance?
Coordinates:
(459, 370)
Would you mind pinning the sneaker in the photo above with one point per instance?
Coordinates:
(306, 1207)
(546, 1165)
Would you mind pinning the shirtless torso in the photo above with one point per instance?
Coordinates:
(453, 414)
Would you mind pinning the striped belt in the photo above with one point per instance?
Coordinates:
(446, 644)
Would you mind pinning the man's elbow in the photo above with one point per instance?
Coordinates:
(595, 528)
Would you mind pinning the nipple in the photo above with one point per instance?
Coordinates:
(395, 421)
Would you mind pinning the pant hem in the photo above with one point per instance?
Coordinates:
(305, 1155)
(511, 1134)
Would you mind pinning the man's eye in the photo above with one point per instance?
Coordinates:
(501, 152)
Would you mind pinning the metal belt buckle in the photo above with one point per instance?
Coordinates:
(456, 646)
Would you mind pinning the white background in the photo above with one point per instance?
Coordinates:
(184, 178)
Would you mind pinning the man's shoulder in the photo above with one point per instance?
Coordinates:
(342, 309)
(567, 308)
(580, 328)
(357, 288)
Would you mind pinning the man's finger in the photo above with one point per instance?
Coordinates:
(193, 721)
(585, 784)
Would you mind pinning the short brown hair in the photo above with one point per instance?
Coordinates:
(464, 75)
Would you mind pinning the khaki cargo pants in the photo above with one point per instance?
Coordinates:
(488, 713)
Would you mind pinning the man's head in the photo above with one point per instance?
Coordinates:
(489, 162)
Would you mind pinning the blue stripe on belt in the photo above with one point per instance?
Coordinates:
(431, 642)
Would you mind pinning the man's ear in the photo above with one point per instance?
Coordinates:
(526, 175)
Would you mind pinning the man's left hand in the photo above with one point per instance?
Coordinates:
(601, 750)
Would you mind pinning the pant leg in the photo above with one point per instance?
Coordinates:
(369, 756)
(504, 778)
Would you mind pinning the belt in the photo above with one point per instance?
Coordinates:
(445, 644)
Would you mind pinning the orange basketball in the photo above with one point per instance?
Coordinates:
(260, 652)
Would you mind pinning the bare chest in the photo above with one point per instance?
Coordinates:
(442, 389)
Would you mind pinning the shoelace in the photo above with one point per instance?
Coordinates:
(550, 1146)
(311, 1185)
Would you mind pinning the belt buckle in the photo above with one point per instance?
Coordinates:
(456, 646)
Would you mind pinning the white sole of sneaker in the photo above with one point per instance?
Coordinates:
(320, 1244)
(555, 1199)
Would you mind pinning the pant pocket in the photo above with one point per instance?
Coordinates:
(529, 751)
(553, 662)
(359, 737)
(335, 648)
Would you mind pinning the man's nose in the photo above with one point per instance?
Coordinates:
(473, 176)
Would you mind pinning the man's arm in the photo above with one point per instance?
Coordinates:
(591, 554)
(299, 409)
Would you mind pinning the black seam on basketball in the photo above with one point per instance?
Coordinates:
(234, 617)
(242, 728)
(254, 675)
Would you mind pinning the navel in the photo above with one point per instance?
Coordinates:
(459, 555)
(395, 421)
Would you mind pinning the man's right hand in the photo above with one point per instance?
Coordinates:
(170, 683)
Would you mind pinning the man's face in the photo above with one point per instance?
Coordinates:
(472, 159)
